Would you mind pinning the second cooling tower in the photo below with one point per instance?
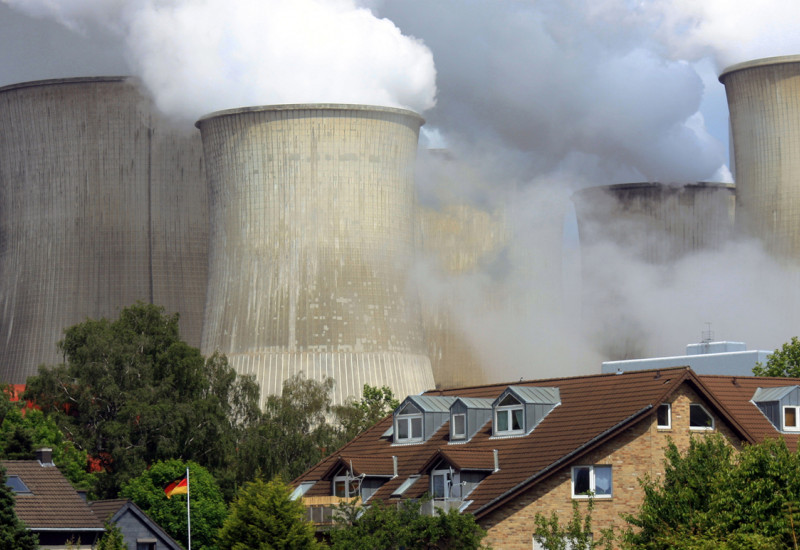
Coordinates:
(311, 240)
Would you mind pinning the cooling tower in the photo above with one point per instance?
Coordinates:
(311, 241)
(655, 222)
(101, 204)
(652, 223)
(764, 103)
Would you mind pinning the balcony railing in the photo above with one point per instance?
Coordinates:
(322, 510)
(429, 507)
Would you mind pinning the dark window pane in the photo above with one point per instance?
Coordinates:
(416, 428)
(580, 480)
(438, 486)
(663, 416)
(516, 421)
(508, 400)
(502, 421)
(402, 428)
(602, 480)
(699, 418)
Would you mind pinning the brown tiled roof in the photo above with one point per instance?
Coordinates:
(593, 409)
(735, 393)
(53, 503)
(105, 509)
(366, 465)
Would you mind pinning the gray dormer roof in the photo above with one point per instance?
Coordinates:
(475, 402)
(530, 395)
(431, 403)
(763, 395)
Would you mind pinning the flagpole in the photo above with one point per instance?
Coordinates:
(188, 510)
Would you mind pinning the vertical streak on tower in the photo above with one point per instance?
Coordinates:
(764, 103)
(101, 205)
(312, 236)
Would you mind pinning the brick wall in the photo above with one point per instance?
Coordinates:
(633, 454)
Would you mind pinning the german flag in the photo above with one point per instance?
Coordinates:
(177, 487)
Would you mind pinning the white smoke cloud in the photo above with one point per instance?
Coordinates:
(201, 56)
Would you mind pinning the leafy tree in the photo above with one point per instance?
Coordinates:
(712, 497)
(782, 362)
(576, 534)
(263, 517)
(24, 431)
(112, 539)
(381, 527)
(13, 534)
(132, 392)
(294, 433)
(208, 509)
(356, 416)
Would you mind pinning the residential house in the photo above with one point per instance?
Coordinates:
(138, 530)
(504, 452)
(49, 506)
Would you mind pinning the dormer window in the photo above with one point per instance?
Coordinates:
(441, 483)
(408, 424)
(458, 426)
(509, 416)
(346, 486)
(791, 418)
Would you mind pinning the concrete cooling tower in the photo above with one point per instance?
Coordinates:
(655, 222)
(764, 103)
(101, 204)
(311, 240)
(652, 223)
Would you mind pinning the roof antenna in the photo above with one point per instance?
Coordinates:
(707, 336)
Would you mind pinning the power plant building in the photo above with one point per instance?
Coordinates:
(312, 233)
(764, 103)
(102, 204)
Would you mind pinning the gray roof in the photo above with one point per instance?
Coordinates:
(476, 402)
(534, 394)
(431, 403)
(772, 394)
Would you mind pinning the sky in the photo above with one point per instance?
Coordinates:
(534, 100)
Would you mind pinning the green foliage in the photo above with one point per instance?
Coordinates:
(382, 526)
(13, 535)
(356, 416)
(132, 392)
(294, 433)
(24, 431)
(112, 539)
(783, 362)
(711, 497)
(207, 504)
(576, 534)
(263, 517)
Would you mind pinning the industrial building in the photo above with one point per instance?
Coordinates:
(312, 234)
(764, 103)
(102, 203)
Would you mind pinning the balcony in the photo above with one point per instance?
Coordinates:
(322, 510)
(429, 507)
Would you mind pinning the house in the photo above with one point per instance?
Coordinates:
(48, 505)
(138, 530)
(504, 452)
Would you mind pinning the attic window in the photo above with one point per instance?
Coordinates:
(17, 485)
(458, 426)
(700, 418)
(346, 486)
(509, 416)
(791, 418)
(408, 424)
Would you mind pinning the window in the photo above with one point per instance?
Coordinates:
(508, 416)
(409, 428)
(664, 415)
(591, 481)
(441, 483)
(145, 545)
(17, 485)
(346, 486)
(791, 418)
(699, 418)
(458, 426)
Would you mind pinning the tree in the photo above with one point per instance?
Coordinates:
(783, 362)
(293, 433)
(356, 416)
(132, 392)
(207, 504)
(712, 497)
(263, 517)
(13, 535)
(381, 526)
(112, 539)
(576, 534)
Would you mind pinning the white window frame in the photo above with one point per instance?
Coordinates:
(508, 411)
(786, 428)
(701, 428)
(409, 419)
(453, 433)
(450, 478)
(347, 481)
(592, 481)
(668, 425)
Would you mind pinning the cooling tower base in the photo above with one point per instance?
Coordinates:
(403, 373)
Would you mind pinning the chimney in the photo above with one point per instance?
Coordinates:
(394, 465)
(45, 456)
(496, 460)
